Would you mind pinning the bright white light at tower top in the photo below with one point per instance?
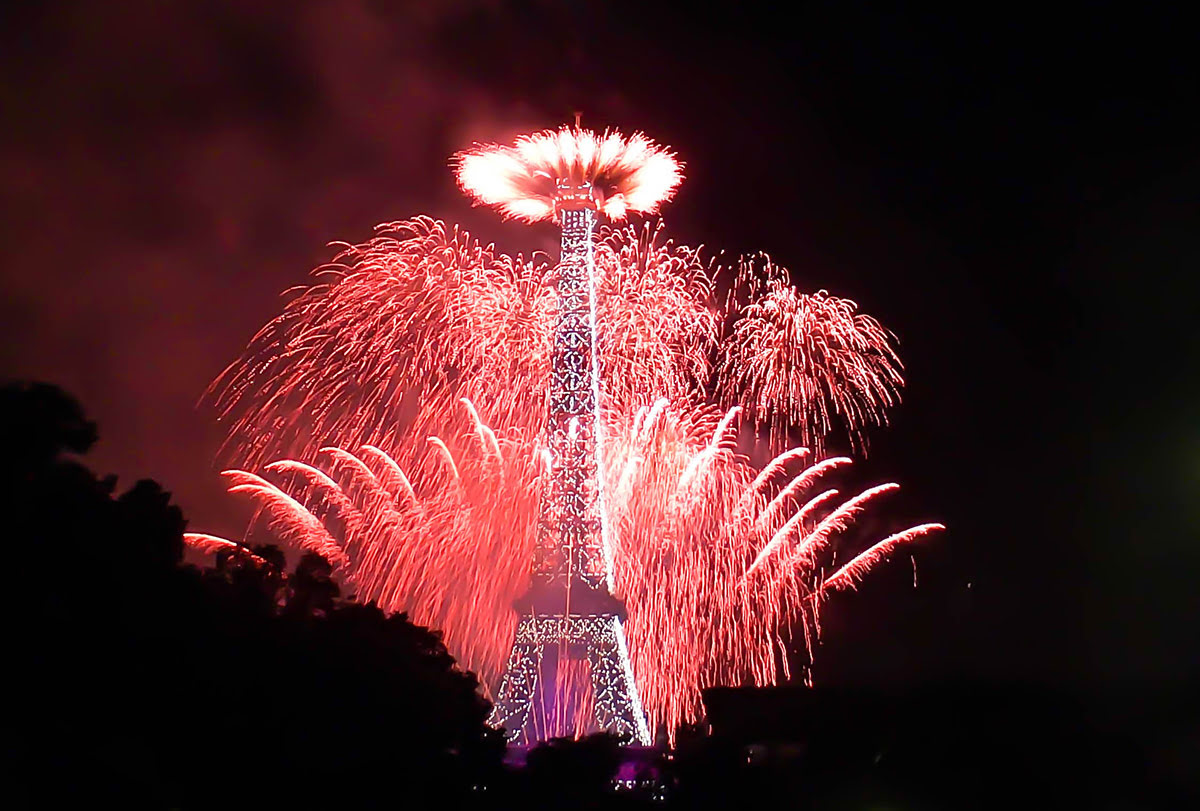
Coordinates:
(523, 180)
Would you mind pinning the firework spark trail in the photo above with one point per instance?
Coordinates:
(287, 517)
(855, 569)
(393, 479)
(486, 435)
(776, 465)
(837, 521)
(380, 516)
(789, 527)
(390, 330)
(429, 353)
(320, 482)
(203, 542)
(477, 509)
(798, 485)
(213, 544)
(702, 460)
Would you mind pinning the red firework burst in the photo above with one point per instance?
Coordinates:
(405, 395)
(806, 362)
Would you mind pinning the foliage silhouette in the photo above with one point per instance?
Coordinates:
(150, 682)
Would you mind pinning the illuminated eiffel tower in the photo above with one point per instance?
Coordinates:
(569, 671)
(569, 618)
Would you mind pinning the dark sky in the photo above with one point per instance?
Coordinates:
(1012, 193)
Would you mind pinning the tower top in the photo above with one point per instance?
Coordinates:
(570, 167)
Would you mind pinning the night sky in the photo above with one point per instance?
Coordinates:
(1013, 194)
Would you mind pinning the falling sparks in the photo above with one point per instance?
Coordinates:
(458, 556)
(811, 363)
(212, 544)
(398, 406)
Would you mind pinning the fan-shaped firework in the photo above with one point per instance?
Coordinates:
(524, 180)
(414, 374)
(693, 527)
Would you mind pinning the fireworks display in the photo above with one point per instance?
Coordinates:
(805, 363)
(525, 181)
(397, 410)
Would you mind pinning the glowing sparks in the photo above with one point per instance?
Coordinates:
(812, 363)
(212, 544)
(460, 559)
(287, 517)
(412, 380)
(523, 180)
(854, 571)
(204, 542)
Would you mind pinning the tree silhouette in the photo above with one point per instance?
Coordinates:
(311, 588)
(40, 423)
(145, 681)
(573, 773)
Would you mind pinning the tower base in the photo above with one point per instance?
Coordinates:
(529, 706)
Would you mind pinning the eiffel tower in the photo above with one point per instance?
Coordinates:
(570, 623)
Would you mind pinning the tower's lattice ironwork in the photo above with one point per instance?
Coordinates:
(569, 614)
